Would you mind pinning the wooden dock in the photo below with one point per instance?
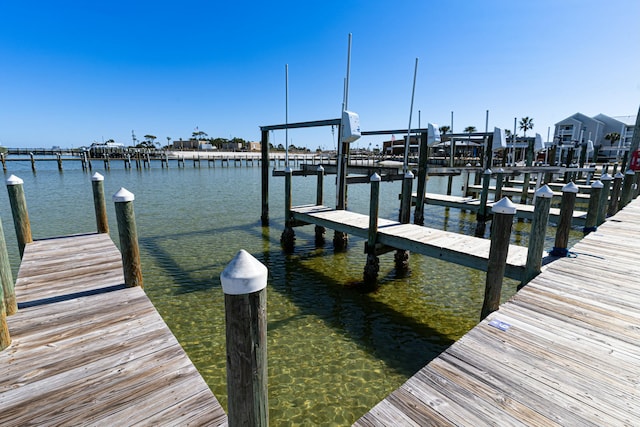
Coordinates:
(473, 204)
(88, 351)
(565, 350)
(453, 247)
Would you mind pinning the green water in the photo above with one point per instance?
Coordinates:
(334, 350)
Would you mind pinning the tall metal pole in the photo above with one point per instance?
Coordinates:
(406, 143)
(286, 115)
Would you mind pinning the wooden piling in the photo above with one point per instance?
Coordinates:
(615, 193)
(244, 283)
(503, 213)
(537, 234)
(5, 337)
(401, 257)
(482, 215)
(264, 140)
(128, 234)
(99, 204)
(591, 222)
(288, 237)
(567, 204)
(4, 162)
(319, 229)
(33, 162)
(19, 212)
(59, 160)
(421, 188)
(627, 188)
(499, 179)
(636, 185)
(6, 277)
(606, 179)
(372, 266)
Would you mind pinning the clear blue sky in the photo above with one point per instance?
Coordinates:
(73, 72)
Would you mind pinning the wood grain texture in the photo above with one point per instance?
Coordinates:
(461, 249)
(569, 354)
(88, 351)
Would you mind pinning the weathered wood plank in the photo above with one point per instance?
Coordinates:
(565, 350)
(83, 356)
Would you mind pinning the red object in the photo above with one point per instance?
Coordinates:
(635, 161)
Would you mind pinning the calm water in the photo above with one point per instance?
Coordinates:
(334, 350)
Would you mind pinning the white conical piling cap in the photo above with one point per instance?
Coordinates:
(544, 192)
(504, 206)
(288, 170)
(630, 172)
(97, 177)
(619, 175)
(570, 188)
(408, 175)
(123, 195)
(320, 168)
(597, 184)
(606, 177)
(375, 177)
(243, 275)
(488, 171)
(500, 170)
(14, 180)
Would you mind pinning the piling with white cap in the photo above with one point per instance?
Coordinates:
(99, 204)
(244, 283)
(483, 214)
(503, 213)
(543, 197)
(627, 187)
(591, 222)
(567, 205)
(128, 234)
(19, 211)
(615, 194)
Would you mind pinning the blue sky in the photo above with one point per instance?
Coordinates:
(72, 73)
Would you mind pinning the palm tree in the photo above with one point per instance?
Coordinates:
(444, 129)
(470, 129)
(613, 137)
(526, 123)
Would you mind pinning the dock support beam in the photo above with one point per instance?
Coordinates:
(567, 204)
(615, 193)
(244, 283)
(128, 234)
(288, 237)
(320, 230)
(627, 187)
(591, 222)
(482, 214)
(538, 233)
(503, 213)
(418, 213)
(99, 204)
(402, 256)
(372, 266)
(20, 213)
(606, 179)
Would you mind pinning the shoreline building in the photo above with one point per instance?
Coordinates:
(577, 130)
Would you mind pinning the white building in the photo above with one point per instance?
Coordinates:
(578, 129)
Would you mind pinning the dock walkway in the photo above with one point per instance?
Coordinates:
(88, 351)
(473, 204)
(565, 350)
(453, 247)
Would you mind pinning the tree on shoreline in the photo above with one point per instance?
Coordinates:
(526, 123)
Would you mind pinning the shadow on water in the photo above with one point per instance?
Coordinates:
(402, 342)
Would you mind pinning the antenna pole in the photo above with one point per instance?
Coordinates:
(286, 115)
(346, 83)
(406, 143)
